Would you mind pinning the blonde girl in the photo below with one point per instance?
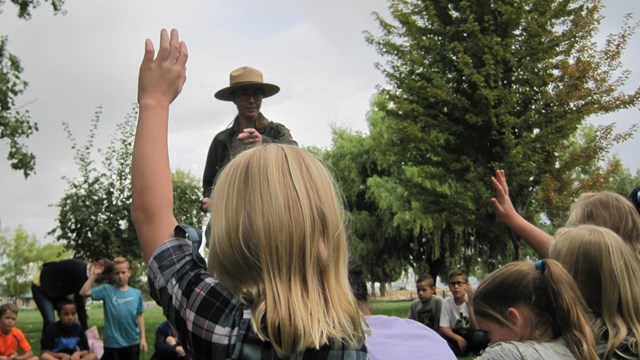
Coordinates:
(533, 311)
(608, 276)
(280, 285)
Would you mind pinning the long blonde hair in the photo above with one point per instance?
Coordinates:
(548, 293)
(610, 210)
(278, 242)
(608, 275)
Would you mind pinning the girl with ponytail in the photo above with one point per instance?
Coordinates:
(533, 311)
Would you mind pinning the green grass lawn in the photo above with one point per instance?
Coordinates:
(30, 322)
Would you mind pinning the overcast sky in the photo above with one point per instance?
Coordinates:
(314, 50)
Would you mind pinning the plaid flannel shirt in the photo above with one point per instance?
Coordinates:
(209, 320)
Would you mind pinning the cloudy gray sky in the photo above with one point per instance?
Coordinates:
(314, 50)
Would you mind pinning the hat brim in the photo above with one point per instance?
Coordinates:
(226, 94)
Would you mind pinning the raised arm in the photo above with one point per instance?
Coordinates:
(96, 270)
(159, 83)
(539, 240)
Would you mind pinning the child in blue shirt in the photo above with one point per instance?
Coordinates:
(65, 338)
(123, 311)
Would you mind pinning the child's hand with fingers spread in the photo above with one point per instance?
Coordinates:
(502, 202)
(161, 78)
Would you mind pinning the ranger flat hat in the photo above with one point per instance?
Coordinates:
(244, 77)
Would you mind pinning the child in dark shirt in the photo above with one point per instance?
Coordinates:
(427, 307)
(65, 339)
(167, 347)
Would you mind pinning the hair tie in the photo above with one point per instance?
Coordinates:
(540, 266)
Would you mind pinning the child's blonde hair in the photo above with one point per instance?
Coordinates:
(121, 260)
(548, 292)
(610, 210)
(278, 242)
(608, 275)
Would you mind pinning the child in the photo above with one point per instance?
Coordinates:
(166, 344)
(11, 337)
(65, 338)
(393, 337)
(605, 208)
(56, 281)
(457, 325)
(605, 270)
(123, 311)
(278, 283)
(427, 307)
(533, 311)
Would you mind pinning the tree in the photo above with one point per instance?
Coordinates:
(474, 86)
(385, 239)
(186, 198)
(558, 190)
(373, 239)
(21, 255)
(15, 125)
(94, 219)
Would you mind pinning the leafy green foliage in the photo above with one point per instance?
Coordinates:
(22, 256)
(15, 125)
(186, 198)
(94, 219)
(26, 6)
(474, 86)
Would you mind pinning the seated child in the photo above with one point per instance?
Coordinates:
(457, 324)
(534, 312)
(392, 337)
(11, 337)
(427, 307)
(166, 344)
(65, 337)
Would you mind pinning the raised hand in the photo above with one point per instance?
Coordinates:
(161, 77)
(502, 202)
(98, 267)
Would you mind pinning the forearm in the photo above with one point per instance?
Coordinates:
(25, 356)
(448, 333)
(141, 325)
(539, 240)
(152, 193)
(86, 288)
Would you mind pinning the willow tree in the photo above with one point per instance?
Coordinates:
(479, 85)
(373, 238)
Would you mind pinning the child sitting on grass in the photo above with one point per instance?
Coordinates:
(65, 338)
(11, 337)
(427, 307)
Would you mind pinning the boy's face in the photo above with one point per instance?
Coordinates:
(8, 321)
(458, 286)
(121, 274)
(67, 314)
(425, 290)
